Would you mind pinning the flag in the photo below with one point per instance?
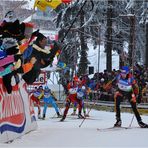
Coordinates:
(58, 53)
(66, 1)
(61, 64)
(40, 4)
(53, 3)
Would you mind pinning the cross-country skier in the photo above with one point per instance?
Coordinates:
(36, 96)
(72, 97)
(128, 88)
(49, 99)
(81, 94)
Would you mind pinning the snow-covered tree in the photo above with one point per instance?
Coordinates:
(95, 17)
(18, 6)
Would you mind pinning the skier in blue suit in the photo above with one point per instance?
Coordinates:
(49, 99)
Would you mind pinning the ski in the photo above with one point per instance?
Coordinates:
(114, 128)
(55, 117)
(86, 118)
(10, 141)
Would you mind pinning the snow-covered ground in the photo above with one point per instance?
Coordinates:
(52, 133)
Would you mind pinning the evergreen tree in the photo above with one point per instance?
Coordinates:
(95, 15)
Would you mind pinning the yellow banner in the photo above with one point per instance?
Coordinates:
(42, 4)
(53, 3)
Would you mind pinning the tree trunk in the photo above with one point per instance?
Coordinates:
(109, 36)
(83, 64)
(146, 48)
(132, 41)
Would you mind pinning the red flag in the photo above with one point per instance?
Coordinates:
(66, 1)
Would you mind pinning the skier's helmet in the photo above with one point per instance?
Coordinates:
(125, 70)
(46, 88)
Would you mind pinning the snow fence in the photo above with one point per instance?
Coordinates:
(17, 116)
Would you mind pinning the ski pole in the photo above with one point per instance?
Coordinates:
(131, 121)
(60, 110)
(132, 118)
(88, 113)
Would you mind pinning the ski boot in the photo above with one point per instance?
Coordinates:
(39, 116)
(74, 113)
(118, 123)
(63, 118)
(86, 115)
(142, 125)
(43, 118)
(80, 116)
(58, 114)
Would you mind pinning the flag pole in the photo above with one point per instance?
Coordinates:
(73, 21)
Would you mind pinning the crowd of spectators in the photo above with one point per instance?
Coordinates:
(96, 85)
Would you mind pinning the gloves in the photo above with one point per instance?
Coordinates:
(133, 98)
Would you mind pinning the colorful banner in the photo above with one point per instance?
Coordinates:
(17, 115)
